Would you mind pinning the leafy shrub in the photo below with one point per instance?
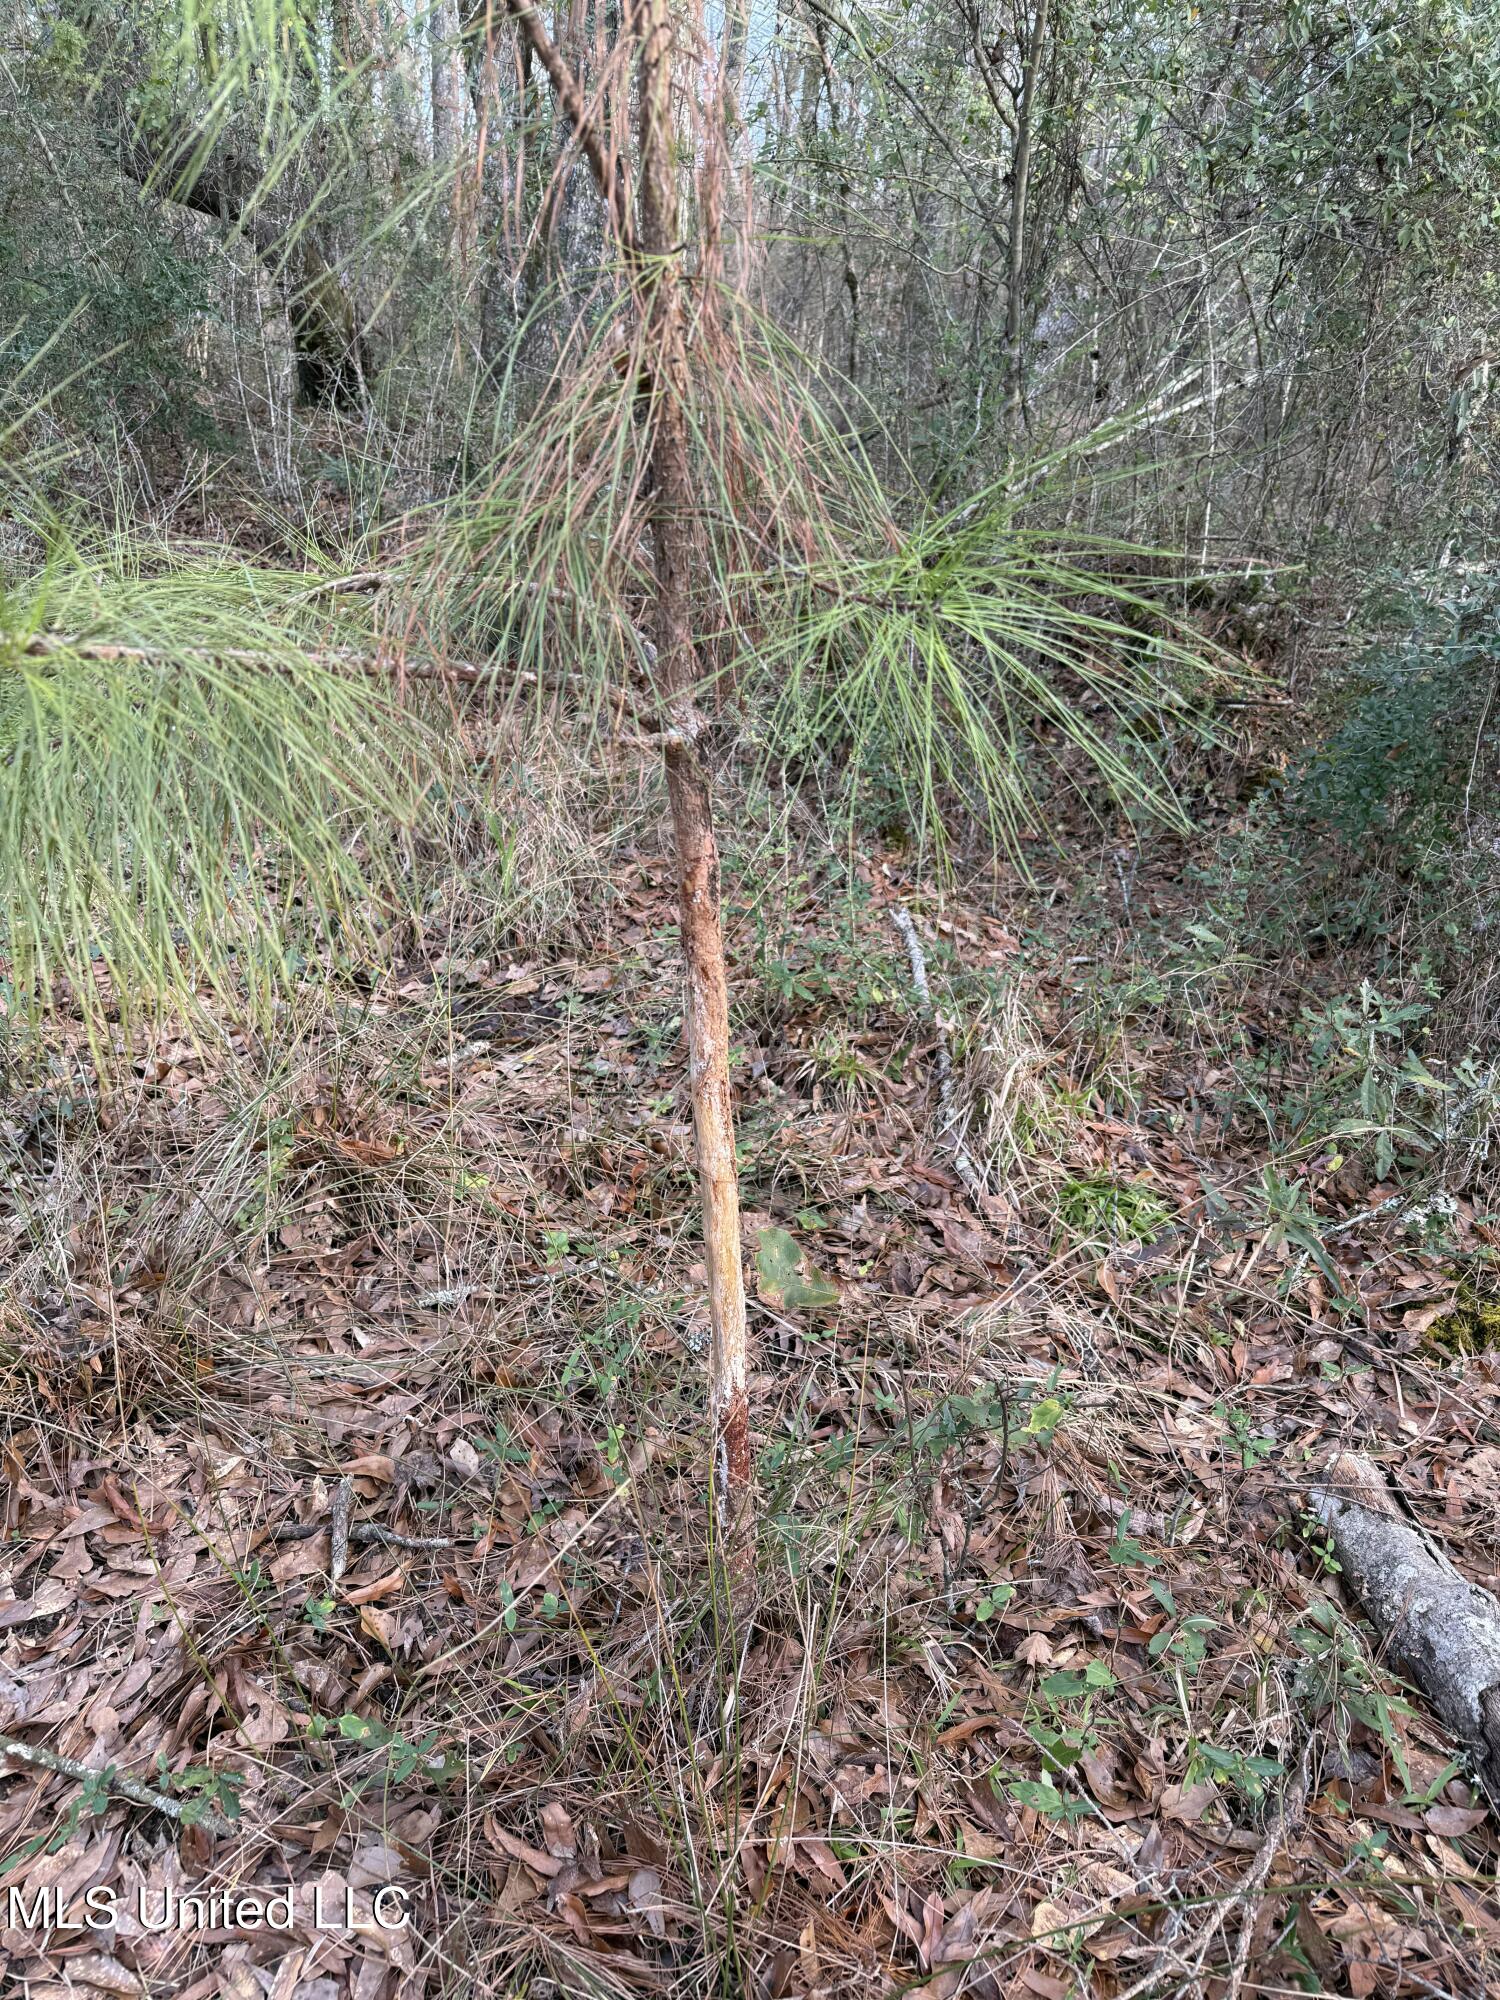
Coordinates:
(1397, 764)
(96, 290)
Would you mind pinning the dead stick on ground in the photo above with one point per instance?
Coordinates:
(367, 1534)
(191, 1812)
(1283, 1826)
(963, 1159)
(343, 1506)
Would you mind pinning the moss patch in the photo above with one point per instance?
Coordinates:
(1473, 1326)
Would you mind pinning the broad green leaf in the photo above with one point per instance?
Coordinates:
(786, 1279)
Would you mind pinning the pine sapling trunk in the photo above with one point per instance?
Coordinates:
(653, 252)
(673, 514)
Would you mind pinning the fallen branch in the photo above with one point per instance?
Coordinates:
(362, 1535)
(1436, 1626)
(963, 1159)
(1286, 1820)
(338, 1532)
(187, 1812)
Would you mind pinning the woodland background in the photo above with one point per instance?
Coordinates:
(1090, 574)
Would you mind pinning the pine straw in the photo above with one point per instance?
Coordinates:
(437, 1243)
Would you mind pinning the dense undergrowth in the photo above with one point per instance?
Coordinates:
(1090, 453)
(1040, 1656)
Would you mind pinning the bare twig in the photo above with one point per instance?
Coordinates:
(607, 170)
(353, 585)
(1285, 1823)
(963, 1159)
(528, 1583)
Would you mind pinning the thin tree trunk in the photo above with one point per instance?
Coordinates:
(447, 83)
(845, 194)
(447, 89)
(492, 170)
(1020, 187)
(735, 42)
(672, 514)
(652, 251)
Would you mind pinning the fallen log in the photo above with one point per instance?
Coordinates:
(1439, 1629)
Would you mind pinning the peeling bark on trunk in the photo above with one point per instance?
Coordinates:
(654, 260)
(713, 1127)
(1437, 1627)
(672, 514)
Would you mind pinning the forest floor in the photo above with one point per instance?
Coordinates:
(1044, 1687)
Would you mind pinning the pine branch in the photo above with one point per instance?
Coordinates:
(47, 645)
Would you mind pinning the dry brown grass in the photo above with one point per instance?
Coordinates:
(434, 1239)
